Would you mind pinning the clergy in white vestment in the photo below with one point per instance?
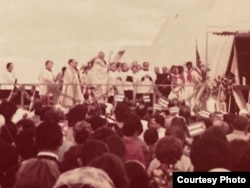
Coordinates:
(145, 82)
(47, 81)
(9, 76)
(98, 75)
(72, 89)
(127, 77)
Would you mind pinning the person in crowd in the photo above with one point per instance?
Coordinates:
(240, 126)
(137, 174)
(141, 111)
(48, 139)
(84, 177)
(47, 80)
(90, 150)
(72, 93)
(8, 132)
(240, 155)
(24, 124)
(151, 137)
(158, 122)
(168, 151)
(39, 173)
(132, 128)
(8, 157)
(9, 77)
(208, 154)
(116, 146)
(117, 173)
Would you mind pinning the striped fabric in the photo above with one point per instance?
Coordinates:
(157, 107)
(174, 110)
(204, 114)
(196, 129)
(146, 98)
(164, 103)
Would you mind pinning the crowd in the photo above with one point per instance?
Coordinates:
(90, 145)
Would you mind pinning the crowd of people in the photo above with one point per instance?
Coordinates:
(86, 146)
(104, 81)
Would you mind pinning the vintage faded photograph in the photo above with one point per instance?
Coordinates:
(123, 93)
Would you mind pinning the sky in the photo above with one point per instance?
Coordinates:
(35, 31)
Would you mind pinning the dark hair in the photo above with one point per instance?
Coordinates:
(116, 146)
(160, 120)
(103, 133)
(53, 116)
(168, 150)
(185, 111)
(48, 136)
(47, 62)
(177, 132)
(240, 156)
(216, 132)
(42, 111)
(70, 158)
(114, 167)
(240, 123)
(81, 132)
(132, 126)
(76, 114)
(25, 143)
(92, 149)
(208, 153)
(137, 174)
(150, 136)
(25, 124)
(141, 110)
(97, 122)
(8, 109)
(189, 63)
(121, 112)
(8, 65)
(70, 61)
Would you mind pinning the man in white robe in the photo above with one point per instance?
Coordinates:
(47, 81)
(71, 90)
(9, 77)
(97, 76)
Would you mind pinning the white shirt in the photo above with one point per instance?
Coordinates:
(127, 84)
(8, 78)
(147, 82)
(45, 77)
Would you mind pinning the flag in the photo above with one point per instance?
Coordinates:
(164, 103)
(197, 55)
(196, 129)
(119, 98)
(157, 107)
(204, 114)
(174, 110)
(146, 98)
(118, 56)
